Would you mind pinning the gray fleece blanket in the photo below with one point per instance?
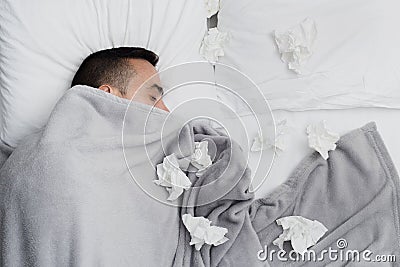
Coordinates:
(80, 193)
(355, 194)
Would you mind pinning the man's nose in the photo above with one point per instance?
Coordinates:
(161, 105)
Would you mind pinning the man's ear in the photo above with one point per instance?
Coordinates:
(106, 88)
(111, 90)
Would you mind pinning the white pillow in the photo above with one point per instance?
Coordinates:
(43, 43)
(356, 59)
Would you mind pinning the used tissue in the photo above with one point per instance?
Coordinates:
(321, 139)
(296, 44)
(200, 157)
(213, 43)
(261, 142)
(202, 232)
(172, 177)
(212, 7)
(301, 232)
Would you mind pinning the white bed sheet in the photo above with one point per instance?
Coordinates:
(356, 60)
(340, 121)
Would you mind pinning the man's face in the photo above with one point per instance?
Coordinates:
(150, 92)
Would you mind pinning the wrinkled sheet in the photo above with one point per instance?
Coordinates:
(355, 60)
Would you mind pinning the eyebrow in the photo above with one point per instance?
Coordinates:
(159, 88)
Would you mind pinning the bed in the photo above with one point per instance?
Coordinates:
(349, 79)
(333, 90)
(231, 64)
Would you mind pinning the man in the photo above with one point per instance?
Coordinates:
(126, 72)
(71, 194)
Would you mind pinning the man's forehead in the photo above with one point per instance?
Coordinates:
(143, 68)
(142, 65)
(144, 72)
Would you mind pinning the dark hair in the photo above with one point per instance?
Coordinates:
(111, 66)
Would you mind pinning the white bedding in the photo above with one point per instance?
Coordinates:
(356, 59)
(352, 77)
(340, 121)
(43, 43)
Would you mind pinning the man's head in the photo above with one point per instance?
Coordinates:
(121, 72)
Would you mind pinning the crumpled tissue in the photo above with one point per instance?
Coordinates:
(321, 139)
(261, 142)
(296, 44)
(172, 177)
(202, 232)
(212, 7)
(213, 44)
(200, 157)
(302, 233)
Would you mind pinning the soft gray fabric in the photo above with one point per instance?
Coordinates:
(67, 197)
(231, 179)
(5, 152)
(355, 194)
